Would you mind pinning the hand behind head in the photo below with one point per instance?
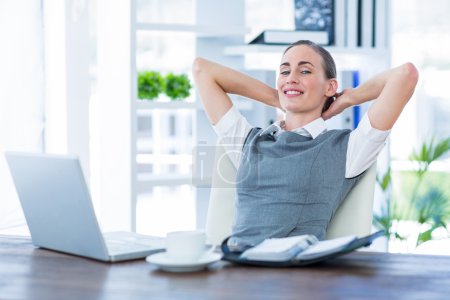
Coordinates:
(337, 106)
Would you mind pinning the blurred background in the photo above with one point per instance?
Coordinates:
(111, 82)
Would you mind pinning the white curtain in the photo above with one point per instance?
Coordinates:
(21, 96)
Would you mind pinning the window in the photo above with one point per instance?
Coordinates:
(21, 96)
(420, 34)
(166, 200)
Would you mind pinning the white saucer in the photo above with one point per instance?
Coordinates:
(162, 261)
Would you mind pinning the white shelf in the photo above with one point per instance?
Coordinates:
(143, 158)
(201, 30)
(154, 104)
(267, 57)
(145, 182)
(143, 106)
(247, 49)
(244, 49)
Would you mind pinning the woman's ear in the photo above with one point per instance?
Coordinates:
(332, 87)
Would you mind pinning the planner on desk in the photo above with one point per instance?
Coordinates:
(297, 250)
(298, 247)
(286, 37)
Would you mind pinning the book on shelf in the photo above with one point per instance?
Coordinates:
(297, 250)
(286, 37)
(340, 33)
(352, 25)
(367, 24)
(381, 20)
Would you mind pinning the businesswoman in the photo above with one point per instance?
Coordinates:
(293, 175)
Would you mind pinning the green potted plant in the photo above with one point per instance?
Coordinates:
(427, 206)
(177, 87)
(150, 85)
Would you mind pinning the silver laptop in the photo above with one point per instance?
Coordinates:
(59, 211)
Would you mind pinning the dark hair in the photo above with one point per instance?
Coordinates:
(328, 63)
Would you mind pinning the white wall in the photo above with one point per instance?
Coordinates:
(21, 95)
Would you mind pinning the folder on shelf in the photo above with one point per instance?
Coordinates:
(351, 116)
(286, 37)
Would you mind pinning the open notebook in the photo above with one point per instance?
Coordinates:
(297, 251)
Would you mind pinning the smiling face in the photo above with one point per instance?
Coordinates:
(302, 84)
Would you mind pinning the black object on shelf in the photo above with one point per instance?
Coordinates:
(315, 16)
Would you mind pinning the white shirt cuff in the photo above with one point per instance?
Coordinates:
(373, 134)
(364, 145)
(232, 130)
(228, 120)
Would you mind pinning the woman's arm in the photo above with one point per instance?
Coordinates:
(391, 90)
(214, 82)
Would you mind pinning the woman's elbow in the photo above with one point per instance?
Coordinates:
(410, 73)
(199, 65)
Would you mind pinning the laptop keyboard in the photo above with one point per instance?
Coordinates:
(123, 242)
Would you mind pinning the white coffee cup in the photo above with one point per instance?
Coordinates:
(185, 246)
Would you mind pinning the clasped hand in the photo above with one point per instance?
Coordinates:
(341, 102)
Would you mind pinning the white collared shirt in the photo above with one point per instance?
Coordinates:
(364, 144)
(312, 129)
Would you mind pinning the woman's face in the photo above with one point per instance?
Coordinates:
(302, 84)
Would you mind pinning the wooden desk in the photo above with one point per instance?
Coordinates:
(30, 273)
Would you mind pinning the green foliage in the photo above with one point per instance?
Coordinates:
(385, 181)
(431, 208)
(430, 152)
(150, 85)
(434, 209)
(389, 212)
(384, 220)
(177, 86)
